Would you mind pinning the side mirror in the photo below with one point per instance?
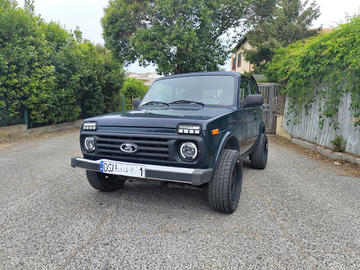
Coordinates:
(252, 101)
(136, 102)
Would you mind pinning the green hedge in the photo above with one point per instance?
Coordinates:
(133, 88)
(53, 73)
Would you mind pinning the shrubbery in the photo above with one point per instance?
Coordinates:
(331, 59)
(133, 88)
(51, 72)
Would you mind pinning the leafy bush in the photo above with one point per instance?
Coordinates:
(133, 88)
(339, 144)
(331, 59)
(51, 72)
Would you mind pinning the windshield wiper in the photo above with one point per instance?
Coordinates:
(183, 101)
(155, 102)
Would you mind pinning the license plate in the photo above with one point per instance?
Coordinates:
(122, 169)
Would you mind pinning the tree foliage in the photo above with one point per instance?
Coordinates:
(52, 73)
(277, 24)
(330, 59)
(133, 88)
(177, 35)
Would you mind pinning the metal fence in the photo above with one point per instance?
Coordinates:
(309, 128)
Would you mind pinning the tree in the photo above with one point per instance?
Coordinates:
(29, 6)
(277, 24)
(177, 35)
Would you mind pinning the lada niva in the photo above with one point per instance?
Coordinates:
(193, 129)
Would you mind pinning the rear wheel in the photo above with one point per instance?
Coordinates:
(260, 156)
(225, 186)
(104, 182)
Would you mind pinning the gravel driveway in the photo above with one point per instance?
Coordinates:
(298, 213)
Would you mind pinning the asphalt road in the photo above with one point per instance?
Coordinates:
(298, 213)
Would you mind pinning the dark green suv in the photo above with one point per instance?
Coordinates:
(191, 128)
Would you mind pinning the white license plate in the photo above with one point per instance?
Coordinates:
(120, 168)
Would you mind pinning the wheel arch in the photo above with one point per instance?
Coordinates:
(262, 128)
(228, 141)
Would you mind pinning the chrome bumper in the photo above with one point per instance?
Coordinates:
(194, 177)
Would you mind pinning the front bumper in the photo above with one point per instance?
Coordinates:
(194, 177)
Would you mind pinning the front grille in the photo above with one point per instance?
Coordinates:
(149, 148)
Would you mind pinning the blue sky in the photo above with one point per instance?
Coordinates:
(87, 15)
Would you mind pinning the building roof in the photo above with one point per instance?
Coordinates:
(241, 42)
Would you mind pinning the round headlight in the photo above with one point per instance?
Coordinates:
(89, 144)
(188, 151)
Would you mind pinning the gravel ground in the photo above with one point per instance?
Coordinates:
(301, 212)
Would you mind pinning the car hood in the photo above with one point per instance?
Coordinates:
(161, 117)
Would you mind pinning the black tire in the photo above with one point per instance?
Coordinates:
(104, 182)
(260, 156)
(224, 188)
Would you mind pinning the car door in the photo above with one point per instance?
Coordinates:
(250, 116)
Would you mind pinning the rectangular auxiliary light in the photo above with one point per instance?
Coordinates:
(90, 126)
(192, 129)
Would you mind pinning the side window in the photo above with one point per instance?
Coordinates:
(253, 88)
(244, 89)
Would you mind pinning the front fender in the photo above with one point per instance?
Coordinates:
(228, 141)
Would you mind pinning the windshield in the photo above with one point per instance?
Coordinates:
(203, 90)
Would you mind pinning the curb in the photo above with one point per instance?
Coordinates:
(17, 131)
(326, 152)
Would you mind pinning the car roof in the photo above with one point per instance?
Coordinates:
(211, 73)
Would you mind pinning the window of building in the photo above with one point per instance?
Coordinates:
(239, 59)
(234, 64)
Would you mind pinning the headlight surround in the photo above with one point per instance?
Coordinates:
(90, 126)
(89, 144)
(191, 129)
(188, 151)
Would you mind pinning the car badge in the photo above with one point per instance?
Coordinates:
(129, 148)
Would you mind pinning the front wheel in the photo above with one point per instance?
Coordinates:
(104, 182)
(225, 186)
